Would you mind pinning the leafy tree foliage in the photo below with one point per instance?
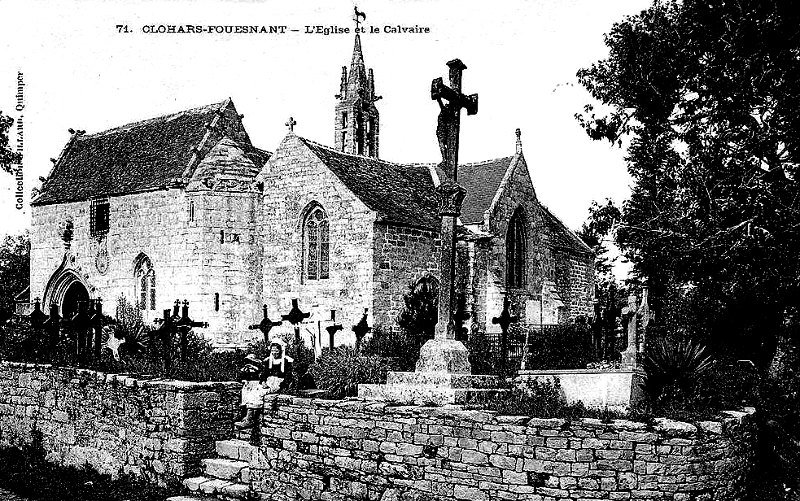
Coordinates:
(14, 271)
(7, 156)
(706, 96)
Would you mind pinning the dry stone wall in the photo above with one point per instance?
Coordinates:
(352, 450)
(155, 429)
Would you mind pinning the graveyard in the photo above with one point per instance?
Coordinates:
(315, 322)
(437, 430)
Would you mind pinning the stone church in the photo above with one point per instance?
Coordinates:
(185, 206)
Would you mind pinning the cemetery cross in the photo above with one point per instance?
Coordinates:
(504, 321)
(333, 329)
(265, 326)
(294, 317)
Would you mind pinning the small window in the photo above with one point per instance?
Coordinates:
(216, 301)
(191, 211)
(222, 236)
(99, 212)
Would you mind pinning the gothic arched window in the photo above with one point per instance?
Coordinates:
(515, 250)
(316, 245)
(145, 283)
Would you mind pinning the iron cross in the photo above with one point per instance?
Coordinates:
(291, 123)
(265, 326)
(333, 329)
(504, 321)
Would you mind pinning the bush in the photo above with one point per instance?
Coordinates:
(401, 347)
(341, 370)
(419, 315)
(567, 346)
(25, 472)
(543, 399)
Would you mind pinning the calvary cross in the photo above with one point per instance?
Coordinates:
(450, 193)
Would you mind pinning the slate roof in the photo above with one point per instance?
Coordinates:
(561, 236)
(482, 180)
(140, 156)
(399, 193)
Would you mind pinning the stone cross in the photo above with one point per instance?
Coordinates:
(265, 326)
(636, 343)
(630, 355)
(333, 329)
(451, 194)
(647, 316)
(361, 329)
(291, 123)
(294, 317)
(504, 321)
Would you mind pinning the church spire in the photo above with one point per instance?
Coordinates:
(356, 126)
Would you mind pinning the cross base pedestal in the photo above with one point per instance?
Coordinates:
(444, 355)
(442, 376)
(433, 388)
(629, 359)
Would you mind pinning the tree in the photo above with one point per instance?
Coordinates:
(14, 270)
(420, 313)
(706, 96)
(7, 156)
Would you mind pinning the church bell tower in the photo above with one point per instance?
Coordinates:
(356, 125)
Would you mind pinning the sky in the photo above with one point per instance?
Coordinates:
(81, 70)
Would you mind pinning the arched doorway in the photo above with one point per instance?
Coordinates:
(75, 295)
(67, 289)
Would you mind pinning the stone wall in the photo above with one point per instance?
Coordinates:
(402, 255)
(159, 430)
(343, 450)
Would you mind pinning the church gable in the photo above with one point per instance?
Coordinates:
(482, 181)
(401, 194)
(229, 165)
(142, 156)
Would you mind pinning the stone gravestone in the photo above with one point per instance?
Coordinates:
(443, 372)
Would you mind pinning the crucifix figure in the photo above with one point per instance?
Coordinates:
(291, 123)
(444, 352)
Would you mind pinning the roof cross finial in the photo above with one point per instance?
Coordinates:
(358, 17)
(291, 123)
(519, 140)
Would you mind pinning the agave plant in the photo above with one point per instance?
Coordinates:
(675, 364)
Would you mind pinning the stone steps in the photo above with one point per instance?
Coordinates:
(226, 477)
